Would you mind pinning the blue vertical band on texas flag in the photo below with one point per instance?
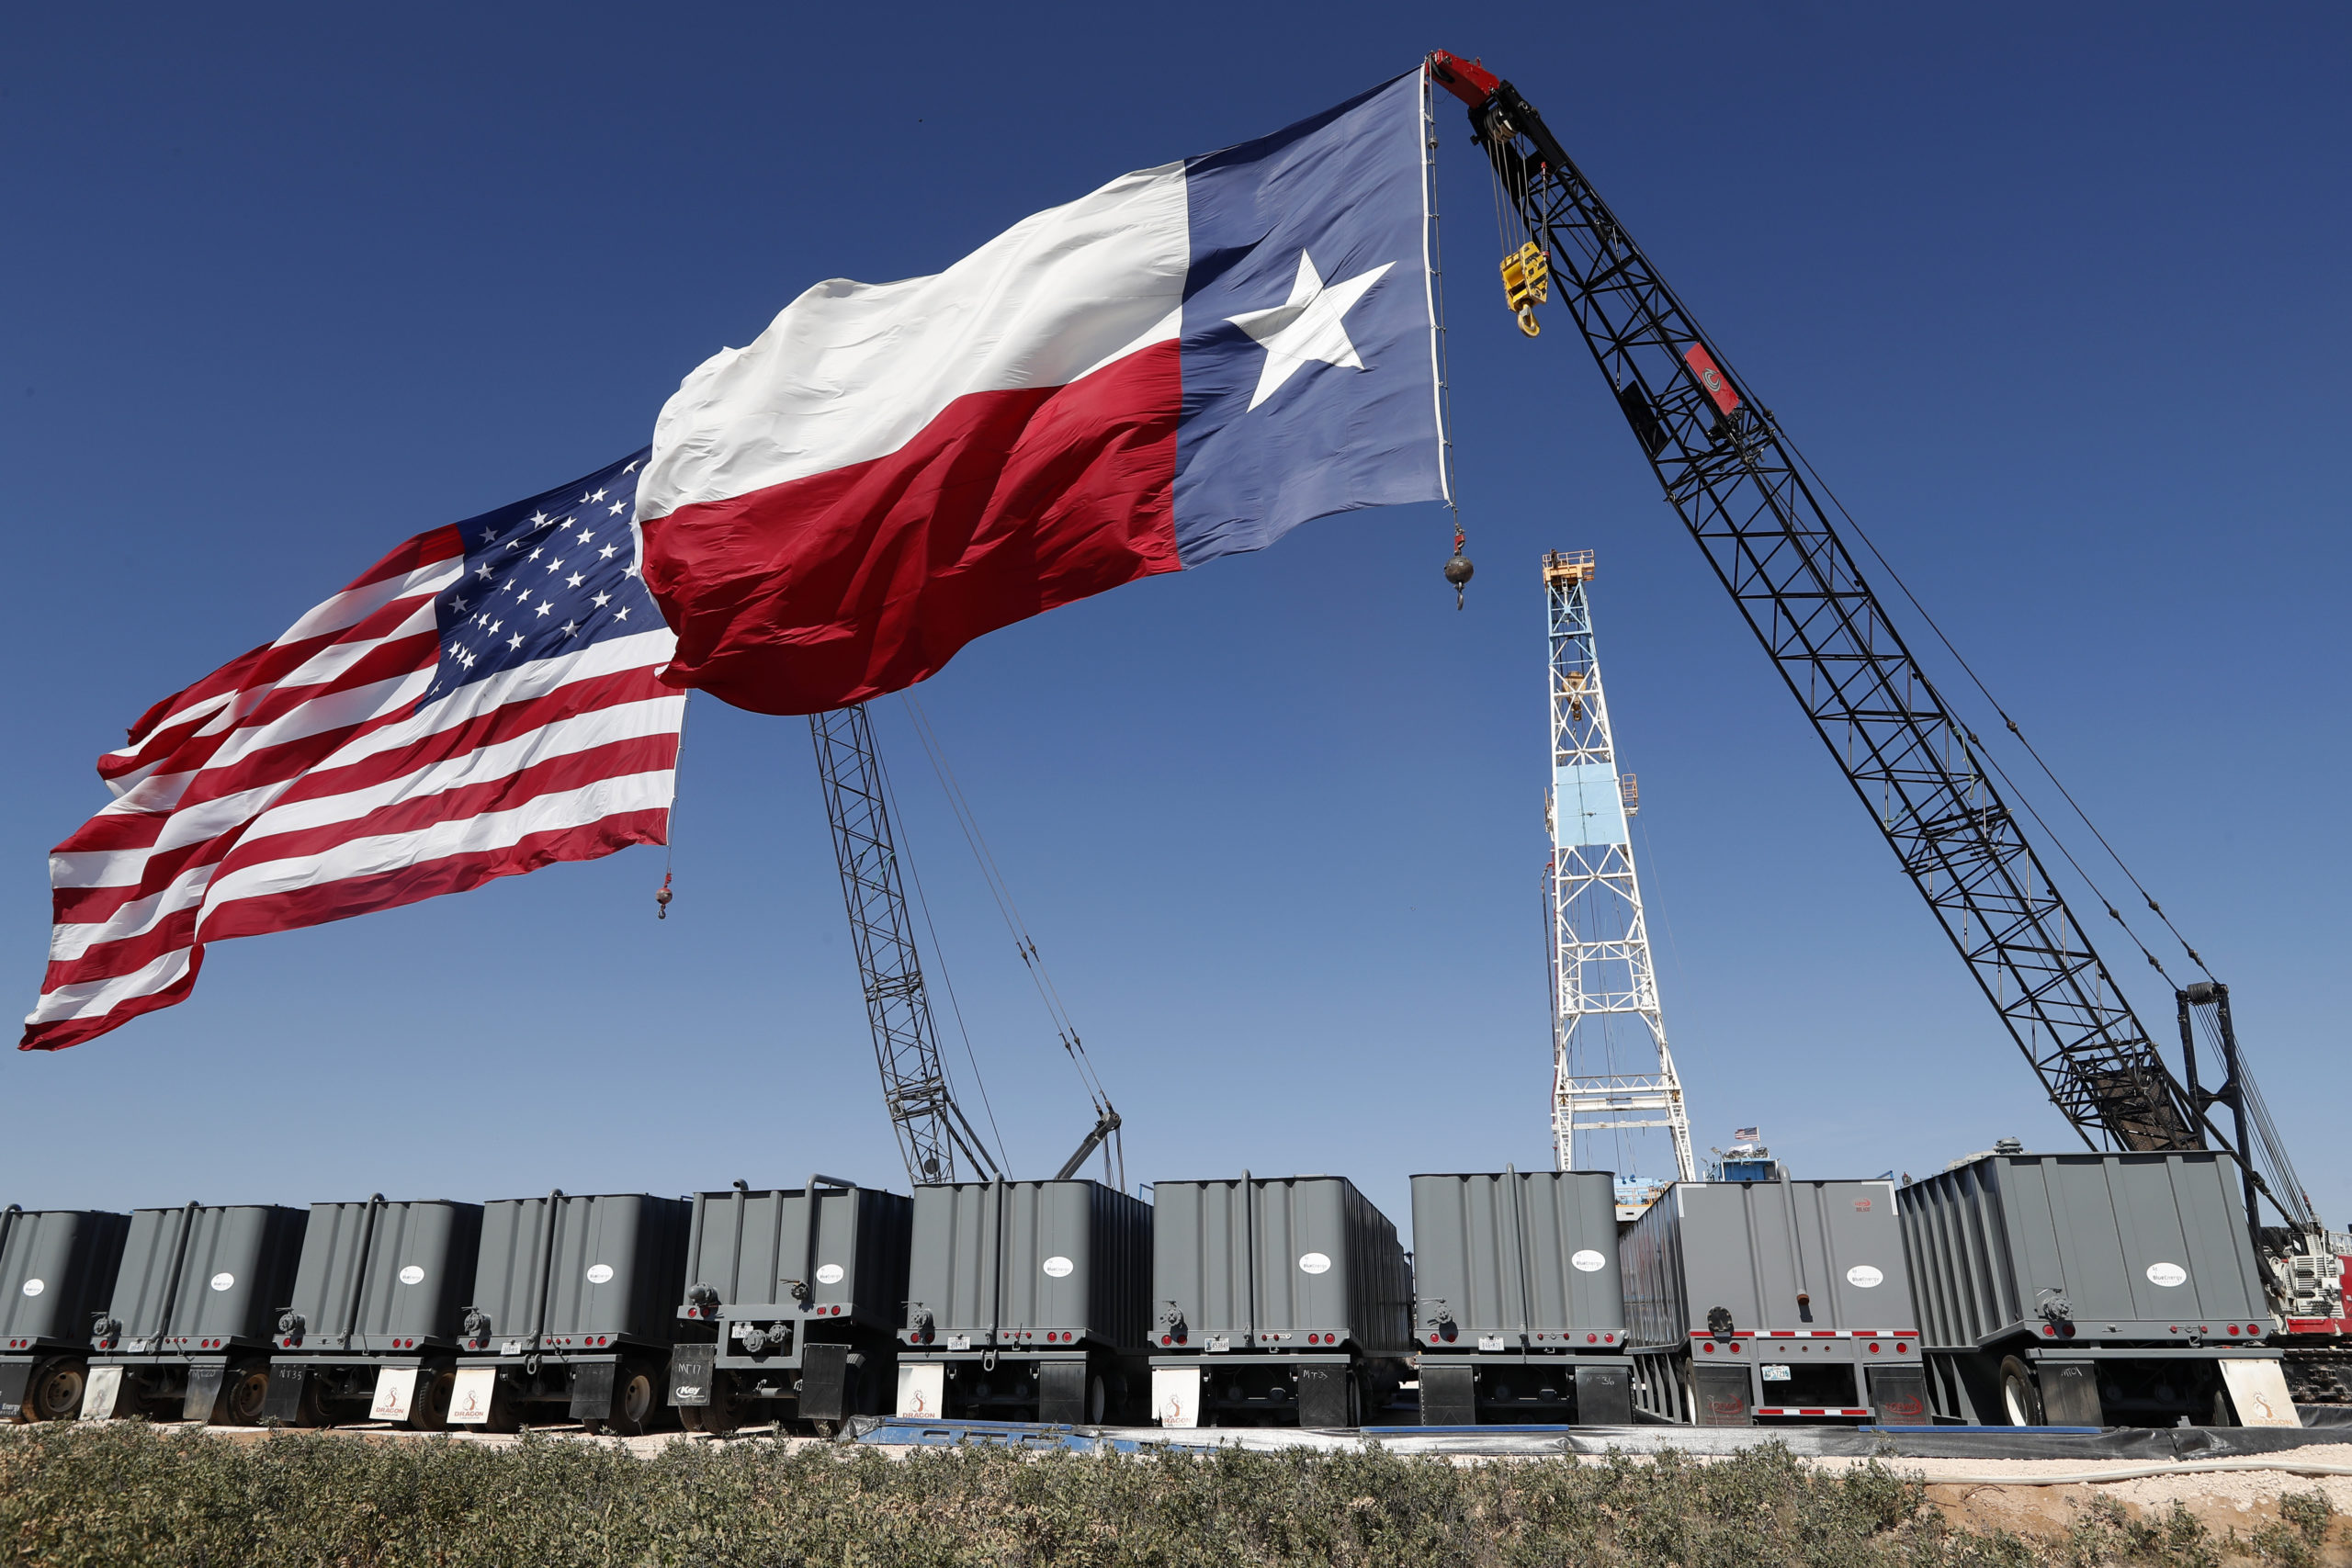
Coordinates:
(1343, 194)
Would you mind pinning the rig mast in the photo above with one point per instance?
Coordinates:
(1604, 1079)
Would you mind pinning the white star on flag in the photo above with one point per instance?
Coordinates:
(1306, 328)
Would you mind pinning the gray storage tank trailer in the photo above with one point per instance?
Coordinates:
(189, 1326)
(1772, 1300)
(57, 1269)
(2092, 1289)
(572, 1312)
(786, 1321)
(372, 1331)
(1278, 1301)
(1027, 1301)
(1518, 1316)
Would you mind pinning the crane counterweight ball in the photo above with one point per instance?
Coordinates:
(1457, 572)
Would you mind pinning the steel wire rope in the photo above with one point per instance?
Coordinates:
(991, 873)
(939, 958)
(2048, 771)
(2295, 1203)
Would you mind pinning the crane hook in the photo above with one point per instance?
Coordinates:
(1458, 570)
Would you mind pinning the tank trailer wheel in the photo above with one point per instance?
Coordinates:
(242, 1393)
(430, 1413)
(56, 1391)
(2020, 1395)
(637, 1397)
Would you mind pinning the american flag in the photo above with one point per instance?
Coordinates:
(480, 703)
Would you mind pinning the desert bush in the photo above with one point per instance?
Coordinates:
(96, 1496)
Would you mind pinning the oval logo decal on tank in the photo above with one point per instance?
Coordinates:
(223, 1281)
(1861, 1276)
(600, 1273)
(1058, 1266)
(1590, 1262)
(829, 1273)
(34, 1287)
(412, 1275)
(2166, 1274)
(1314, 1263)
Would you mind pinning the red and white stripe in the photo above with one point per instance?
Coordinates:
(295, 786)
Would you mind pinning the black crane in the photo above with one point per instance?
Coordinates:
(933, 1132)
(1743, 492)
(931, 1127)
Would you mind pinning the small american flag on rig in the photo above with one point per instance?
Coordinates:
(480, 703)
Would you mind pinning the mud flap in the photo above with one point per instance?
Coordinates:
(2258, 1394)
(1323, 1397)
(470, 1398)
(203, 1393)
(1722, 1396)
(284, 1401)
(825, 1382)
(1061, 1391)
(691, 1367)
(2070, 1393)
(1449, 1395)
(103, 1394)
(1899, 1396)
(592, 1390)
(395, 1395)
(922, 1390)
(1604, 1396)
(15, 1378)
(1176, 1396)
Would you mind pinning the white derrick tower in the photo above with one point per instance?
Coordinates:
(1610, 1069)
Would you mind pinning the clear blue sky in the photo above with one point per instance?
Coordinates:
(2055, 296)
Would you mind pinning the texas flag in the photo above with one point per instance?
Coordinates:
(1185, 364)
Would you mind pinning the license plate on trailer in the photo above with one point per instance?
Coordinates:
(1773, 1374)
(1490, 1342)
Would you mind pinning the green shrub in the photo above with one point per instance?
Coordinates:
(75, 1496)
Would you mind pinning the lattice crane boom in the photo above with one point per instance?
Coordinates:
(1723, 464)
(931, 1127)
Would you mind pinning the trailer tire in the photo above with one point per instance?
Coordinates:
(431, 1411)
(637, 1403)
(723, 1414)
(2020, 1395)
(243, 1392)
(55, 1392)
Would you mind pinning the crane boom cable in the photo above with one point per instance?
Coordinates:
(939, 961)
(1872, 545)
(991, 873)
(1007, 908)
